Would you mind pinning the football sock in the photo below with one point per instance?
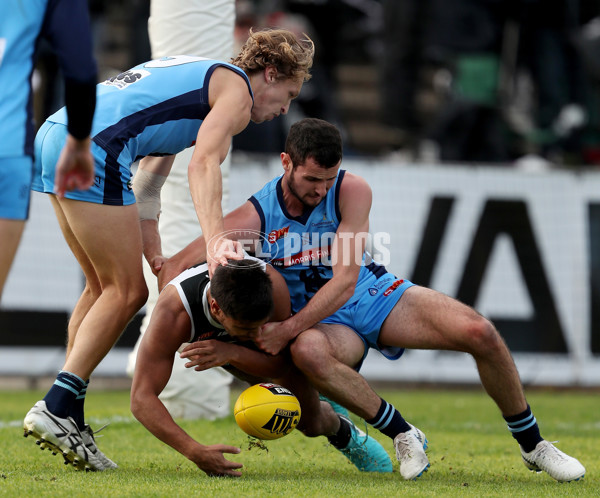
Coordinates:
(341, 439)
(61, 396)
(389, 421)
(524, 429)
(77, 408)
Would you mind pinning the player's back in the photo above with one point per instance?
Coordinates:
(155, 108)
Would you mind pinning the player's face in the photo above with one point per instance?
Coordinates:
(240, 329)
(275, 99)
(309, 182)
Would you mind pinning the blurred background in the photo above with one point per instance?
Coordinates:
(475, 121)
(487, 81)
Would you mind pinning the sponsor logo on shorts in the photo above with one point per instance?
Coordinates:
(393, 287)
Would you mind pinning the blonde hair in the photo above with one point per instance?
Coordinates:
(278, 48)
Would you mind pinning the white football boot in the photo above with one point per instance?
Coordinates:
(60, 435)
(89, 440)
(410, 452)
(547, 457)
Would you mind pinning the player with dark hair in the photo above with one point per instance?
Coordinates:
(315, 218)
(65, 25)
(152, 111)
(242, 294)
(221, 317)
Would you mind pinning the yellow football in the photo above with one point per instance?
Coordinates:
(267, 411)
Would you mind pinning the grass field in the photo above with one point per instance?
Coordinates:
(471, 453)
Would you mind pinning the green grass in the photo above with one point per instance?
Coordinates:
(471, 453)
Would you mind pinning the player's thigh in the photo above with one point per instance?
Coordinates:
(111, 238)
(345, 345)
(427, 319)
(84, 262)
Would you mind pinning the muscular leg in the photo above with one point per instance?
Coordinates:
(107, 241)
(318, 417)
(324, 355)
(92, 289)
(426, 319)
(10, 235)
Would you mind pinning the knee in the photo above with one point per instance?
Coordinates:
(310, 352)
(131, 296)
(483, 336)
(139, 296)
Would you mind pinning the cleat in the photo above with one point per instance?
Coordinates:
(59, 434)
(365, 452)
(410, 452)
(89, 441)
(560, 466)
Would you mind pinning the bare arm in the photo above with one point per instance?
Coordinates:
(169, 327)
(242, 223)
(347, 250)
(147, 182)
(231, 105)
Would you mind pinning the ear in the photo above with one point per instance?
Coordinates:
(215, 309)
(286, 161)
(270, 75)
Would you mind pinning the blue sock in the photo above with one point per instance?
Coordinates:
(77, 408)
(389, 421)
(61, 396)
(524, 429)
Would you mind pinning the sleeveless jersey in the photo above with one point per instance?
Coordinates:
(299, 247)
(22, 22)
(154, 109)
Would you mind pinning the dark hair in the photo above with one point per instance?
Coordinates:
(311, 137)
(243, 290)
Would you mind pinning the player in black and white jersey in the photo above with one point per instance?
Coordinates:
(222, 316)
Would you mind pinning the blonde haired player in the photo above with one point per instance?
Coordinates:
(152, 111)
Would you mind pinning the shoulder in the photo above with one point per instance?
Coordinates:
(354, 187)
(230, 81)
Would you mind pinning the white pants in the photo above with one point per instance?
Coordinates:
(203, 28)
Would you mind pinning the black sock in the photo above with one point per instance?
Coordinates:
(77, 407)
(524, 429)
(388, 420)
(341, 439)
(61, 396)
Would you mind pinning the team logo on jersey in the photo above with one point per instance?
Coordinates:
(275, 235)
(393, 287)
(373, 291)
(127, 78)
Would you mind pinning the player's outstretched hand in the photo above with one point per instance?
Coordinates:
(210, 459)
(75, 167)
